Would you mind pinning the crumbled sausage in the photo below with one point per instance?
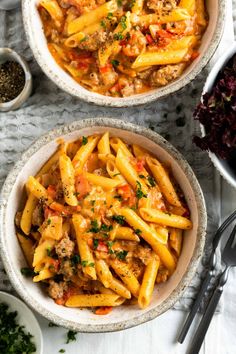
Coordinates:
(65, 247)
(37, 216)
(56, 290)
(143, 253)
(161, 5)
(66, 269)
(166, 74)
(93, 42)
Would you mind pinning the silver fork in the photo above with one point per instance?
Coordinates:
(229, 259)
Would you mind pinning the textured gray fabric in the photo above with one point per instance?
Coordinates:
(49, 107)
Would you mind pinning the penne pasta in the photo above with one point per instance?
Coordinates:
(128, 278)
(68, 180)
(104, 144)
(160, 217)
(27, 246)
(92, 17)
(148, 282)
(26, 219)
(94, 300)
(160, 58)
(106, 183)
(83, 153)
(163, 181)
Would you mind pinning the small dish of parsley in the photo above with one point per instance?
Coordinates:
(19, 329)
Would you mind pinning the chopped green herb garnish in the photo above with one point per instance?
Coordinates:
(115, 63)
(118, 36)
(121, 255)
(103, 24)
(119, 2)
(105, 227)
(151, 181)
(27, 272)
(120, 219)
(84, 140)
(84, 39)
(139, 192)
(138, 232)
(84, 263)
(71, 336)
(75, 259)
(95, 243)
(92, 264)
(13, 337)
(109, 15)
(94, 226)
(109, 245)
(123, 22)
(141, 176)
(49, 251)
(92, 202)
(49, 221)
(62, 351)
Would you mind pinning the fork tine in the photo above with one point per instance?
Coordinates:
(230, 240)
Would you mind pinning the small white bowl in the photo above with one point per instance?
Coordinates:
(37, 41)
(166, 294)
(25, 317)
(9, 54)
(221, 165)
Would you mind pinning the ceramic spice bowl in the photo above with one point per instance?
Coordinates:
(166, 294)
(9, 55)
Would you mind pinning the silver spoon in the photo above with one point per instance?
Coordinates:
(9, 4)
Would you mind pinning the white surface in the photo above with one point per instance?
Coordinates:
(24, 318)
(159, 335)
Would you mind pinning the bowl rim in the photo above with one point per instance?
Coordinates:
(201, 231)
(218, 66)
(19, 303)
(134, 100)
(25, 92)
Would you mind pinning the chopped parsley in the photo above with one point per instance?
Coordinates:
(151, 181)
(115, 63)
(109, 15)
(92, 202)
(120, 219)
(116, 174)
(27, 272)
(75, 259)
(49, 251)
(106, 228)
(138, 232)
(84, 140)
(62, 351)
(13, 337)
(95, 243)
(94, 227)
(121, 255)
(103, 24)
(87, 264)
(123, 22)
(118, 36)
(141, 176)
(109, 245)
(71, 336)
(49, 221)
(119, 2)
(84, 39)
(139, 192)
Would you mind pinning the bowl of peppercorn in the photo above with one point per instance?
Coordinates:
(15, 80)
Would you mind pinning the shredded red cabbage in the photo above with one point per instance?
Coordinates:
(217, 113)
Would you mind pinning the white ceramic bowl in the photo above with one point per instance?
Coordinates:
(165, 295)
(38, 44)
(222, 166)
(25, 317)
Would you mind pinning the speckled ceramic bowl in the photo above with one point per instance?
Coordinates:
(9, 54)
(226, 170)
(165, 295)
(38, 44)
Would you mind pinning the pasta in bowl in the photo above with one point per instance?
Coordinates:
(122, 53)
(122, 48)
(108, 215)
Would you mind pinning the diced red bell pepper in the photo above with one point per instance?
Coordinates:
(103, 310)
